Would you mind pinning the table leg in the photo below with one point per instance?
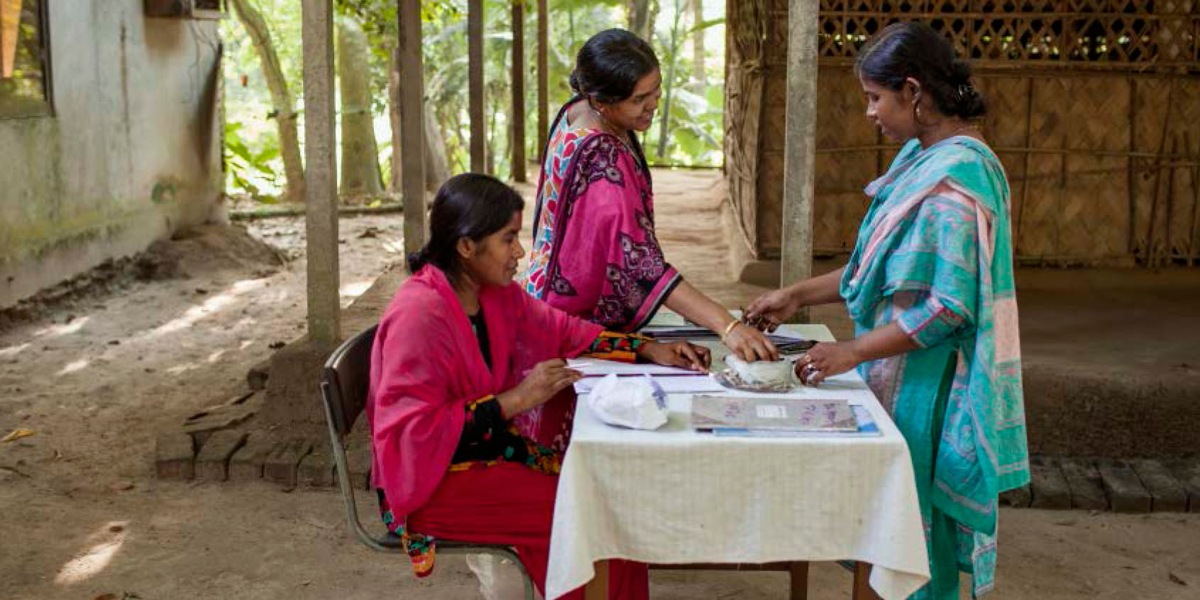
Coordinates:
(862, 584)
(597, 588)
(799, 576)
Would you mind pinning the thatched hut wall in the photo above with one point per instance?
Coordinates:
(1095, 113)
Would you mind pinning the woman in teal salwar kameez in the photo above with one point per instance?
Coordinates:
(930, 289)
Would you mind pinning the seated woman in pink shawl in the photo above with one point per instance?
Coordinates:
(595, 252)
(460, 355)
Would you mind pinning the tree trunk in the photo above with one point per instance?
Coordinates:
(516, 134)
(698, 76)
(543, 79)
(639, 18)
(281, 97)
(360, 153)
(475, 89)
(489, 153)
(664, 125)
(397, 180)
(655, 8)
(437, 165)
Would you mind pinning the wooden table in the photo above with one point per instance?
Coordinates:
(597, 589)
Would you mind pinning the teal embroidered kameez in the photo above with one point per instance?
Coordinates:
(934, 255)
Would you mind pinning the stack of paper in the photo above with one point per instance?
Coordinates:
(594, 367)
(772, 414)
(866, 428)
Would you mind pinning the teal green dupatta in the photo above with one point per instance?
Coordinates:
(934, 254)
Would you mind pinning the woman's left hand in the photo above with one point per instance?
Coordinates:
(684, 355)
(826, 360)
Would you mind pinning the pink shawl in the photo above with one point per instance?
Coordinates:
(426, 365)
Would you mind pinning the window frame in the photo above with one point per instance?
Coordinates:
(46, 108)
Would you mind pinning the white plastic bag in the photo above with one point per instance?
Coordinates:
(634, 402)
(765, 372)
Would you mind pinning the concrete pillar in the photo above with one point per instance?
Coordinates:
(324, 310)
(543, 75)
(799, 159)
(475, 85)
(518, 90)
(412, 123)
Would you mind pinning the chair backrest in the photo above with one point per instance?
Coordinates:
(346, 377)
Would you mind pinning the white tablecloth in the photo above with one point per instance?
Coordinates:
(674, 496)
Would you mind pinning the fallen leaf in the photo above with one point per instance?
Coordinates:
(17, 434)
(1175, 578)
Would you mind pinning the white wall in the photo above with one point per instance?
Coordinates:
(131, 154)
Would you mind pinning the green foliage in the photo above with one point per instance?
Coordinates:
(253, 166)
(696, 118)
(695, 130)
(254, 173)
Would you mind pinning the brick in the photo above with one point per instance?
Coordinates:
(225, 415)
(246, 464)
(212, 462)
(258, 375)
(284, 460)
(1087, 489)
(174, 456)
(316, 470)
(1050, 489)
(1189, 477)
(1018, 497)
(1124, 488)
(1167, 494)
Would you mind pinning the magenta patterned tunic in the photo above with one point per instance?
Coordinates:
(595, 254)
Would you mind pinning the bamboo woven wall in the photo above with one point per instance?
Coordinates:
(1094, 111)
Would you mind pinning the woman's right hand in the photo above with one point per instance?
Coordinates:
(771, 309)
(749, 344)
(540, 385)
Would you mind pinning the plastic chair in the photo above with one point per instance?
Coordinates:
(344, 384)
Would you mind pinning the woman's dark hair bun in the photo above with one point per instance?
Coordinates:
(960, 71)
(609, 65)
(914, 49)
(416, 260)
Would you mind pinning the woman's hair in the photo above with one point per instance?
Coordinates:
(914, 49)
(610, 64)
(471, 206)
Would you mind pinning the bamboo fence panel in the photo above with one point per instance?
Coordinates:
(1094, 112)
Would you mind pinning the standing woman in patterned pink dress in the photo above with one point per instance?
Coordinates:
(595, 253)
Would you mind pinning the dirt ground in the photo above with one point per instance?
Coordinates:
(82, 517)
